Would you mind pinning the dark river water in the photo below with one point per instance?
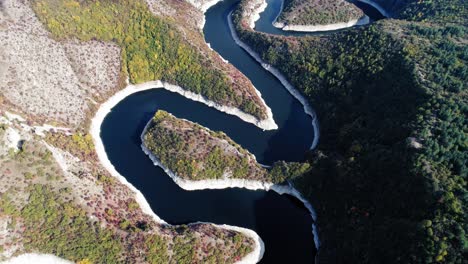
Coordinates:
(282, 222)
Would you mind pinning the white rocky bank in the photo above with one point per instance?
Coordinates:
(255, 7)
(30, 258)
(318, 28)
(203, 184)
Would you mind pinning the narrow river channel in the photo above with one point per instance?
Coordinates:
(281, 221)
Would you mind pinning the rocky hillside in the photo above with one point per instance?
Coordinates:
(59, 61)
(54, 202)
(83, 54)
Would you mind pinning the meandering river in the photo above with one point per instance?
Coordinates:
(281, 221)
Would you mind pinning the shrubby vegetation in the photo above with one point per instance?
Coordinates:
(152, 47)
(43, 214)
(52, 225)
(389, 177)
(187, 246)
(156, 250)
(79, 144)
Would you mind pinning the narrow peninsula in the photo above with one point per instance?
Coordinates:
(196, 154)
(315, 15)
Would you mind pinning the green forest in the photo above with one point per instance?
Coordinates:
(449, 11)
(388, 179)
(152, 47)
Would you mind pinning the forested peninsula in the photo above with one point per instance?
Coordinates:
(388, 177)
(315, 12)
(195, 153)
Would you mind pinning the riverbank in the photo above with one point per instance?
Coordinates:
(297, 95)
(37, 259)
(291, 190)
(257, 254)
(318, 28)
(95, 131)
(291, 89)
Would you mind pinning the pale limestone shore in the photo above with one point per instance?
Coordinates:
(203, 184)
(95, 131)
(319, 28)
(281, 189)
(106, 107)
(261, 6)
(289, 189)
(29, 258)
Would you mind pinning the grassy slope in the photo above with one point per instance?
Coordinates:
(378, 92)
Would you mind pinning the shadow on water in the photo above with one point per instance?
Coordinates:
(278, 242)
(278, 141)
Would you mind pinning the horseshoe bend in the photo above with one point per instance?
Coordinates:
(271, 131)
